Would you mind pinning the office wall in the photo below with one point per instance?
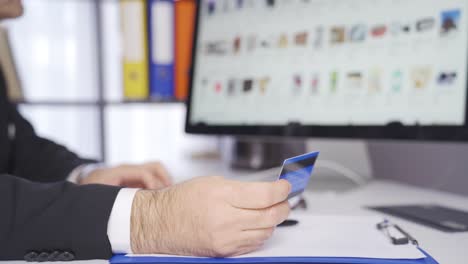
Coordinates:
(54, 45)
(350, 154)
(439, 166)
(75, 128)
(155, 132)
(435, 165)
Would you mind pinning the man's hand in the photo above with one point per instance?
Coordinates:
(209, 216)
(149, 176)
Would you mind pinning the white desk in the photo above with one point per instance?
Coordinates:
(445, 248)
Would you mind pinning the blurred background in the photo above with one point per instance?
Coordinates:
(69, 59)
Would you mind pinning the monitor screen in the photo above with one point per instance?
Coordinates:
(329, 63)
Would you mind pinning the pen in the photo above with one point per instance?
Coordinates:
(385, 227)
(288, 222)
(410, 237)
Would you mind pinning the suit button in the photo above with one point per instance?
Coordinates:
(66, 256)
(31, 256)
(43, 256)
(53, 256)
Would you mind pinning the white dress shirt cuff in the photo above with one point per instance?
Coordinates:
(118, 227)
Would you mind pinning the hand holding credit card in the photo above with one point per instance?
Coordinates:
(297, 172)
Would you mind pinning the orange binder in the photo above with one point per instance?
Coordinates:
(184, 27)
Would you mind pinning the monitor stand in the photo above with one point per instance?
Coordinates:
(259, 154)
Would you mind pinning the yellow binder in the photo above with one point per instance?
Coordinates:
(135, 49)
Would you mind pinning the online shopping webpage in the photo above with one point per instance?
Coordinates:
(331, 62)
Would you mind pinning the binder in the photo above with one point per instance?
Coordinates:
(161, 48)
(184, 29)
(135, 49)
(8, 66)
(355, 241)
(122, 259)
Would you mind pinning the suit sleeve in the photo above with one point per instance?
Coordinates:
(36, 158)
(54, 216)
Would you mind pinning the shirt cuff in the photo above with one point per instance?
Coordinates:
(118, 227)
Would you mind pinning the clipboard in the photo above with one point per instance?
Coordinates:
(379, 229)
(122, 259)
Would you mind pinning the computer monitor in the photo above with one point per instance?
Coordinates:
(392, 69)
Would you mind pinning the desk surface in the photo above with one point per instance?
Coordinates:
(445, 248)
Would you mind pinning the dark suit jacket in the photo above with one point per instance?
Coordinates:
(39, 211)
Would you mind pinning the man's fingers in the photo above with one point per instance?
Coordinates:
(247, 241)
(150, 181)
(245, 250)
(253, 219)
(160, 171)
(257, 195)
(257, 236)
(139, 178)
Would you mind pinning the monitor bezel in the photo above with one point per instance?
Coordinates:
(393, 131)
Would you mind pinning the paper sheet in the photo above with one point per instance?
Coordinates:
(331, 236)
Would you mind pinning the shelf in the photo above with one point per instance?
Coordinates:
(57, 103)
(96, 103)
(149, 101)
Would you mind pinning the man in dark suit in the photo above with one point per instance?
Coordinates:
(44, 217)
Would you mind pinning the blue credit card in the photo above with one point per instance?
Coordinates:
(297, 172)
